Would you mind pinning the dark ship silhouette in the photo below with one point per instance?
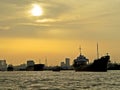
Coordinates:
(57, 69)
(99, 65)
(36, 67)
(10, 68)
(39, 67)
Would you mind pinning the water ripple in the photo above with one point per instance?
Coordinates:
(64, 80)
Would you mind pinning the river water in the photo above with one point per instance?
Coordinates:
(63, 80)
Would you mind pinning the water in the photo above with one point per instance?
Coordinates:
(64, 80)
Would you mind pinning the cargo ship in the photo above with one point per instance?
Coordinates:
(81, 63)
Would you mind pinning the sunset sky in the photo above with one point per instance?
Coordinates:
(54, 29)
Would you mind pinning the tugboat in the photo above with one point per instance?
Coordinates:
(10, 68)
(99, 65)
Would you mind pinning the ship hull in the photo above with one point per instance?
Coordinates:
(38, 67)
(99, 65)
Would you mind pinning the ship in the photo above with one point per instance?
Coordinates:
(81, 63)
(35, 67)
(39, 67)
(10, 68)
(56, 68)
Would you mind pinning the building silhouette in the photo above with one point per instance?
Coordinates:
(67, 60)
(66, 64)
(30, 63)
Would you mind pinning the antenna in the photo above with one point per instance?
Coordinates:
(80, 50)
(46, 61)
(97, 52)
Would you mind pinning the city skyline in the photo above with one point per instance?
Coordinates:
(39, 29)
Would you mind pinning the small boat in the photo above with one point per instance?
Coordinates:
(39, 67)
(57, 69)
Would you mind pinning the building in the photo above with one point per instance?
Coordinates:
(30, 63)
(67, 60)
(63, 65)
(66, 64)
(3, 65)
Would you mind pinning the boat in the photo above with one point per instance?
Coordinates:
(81, 63)
(56, 68)
(35, 67)
(39, 67)
(10, 68)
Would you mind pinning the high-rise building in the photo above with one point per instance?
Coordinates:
(67, 61)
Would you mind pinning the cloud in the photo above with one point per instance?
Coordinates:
(77, 19)
(4, 28)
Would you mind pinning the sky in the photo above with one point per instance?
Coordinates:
(63, 27)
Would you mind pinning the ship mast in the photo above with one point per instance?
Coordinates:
(97, 52)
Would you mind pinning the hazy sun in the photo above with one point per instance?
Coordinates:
(36, 10)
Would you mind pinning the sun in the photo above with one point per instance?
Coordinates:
(36, 10)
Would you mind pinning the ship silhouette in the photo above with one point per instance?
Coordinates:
(99, 64)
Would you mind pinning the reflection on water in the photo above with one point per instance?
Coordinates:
(64, 80)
